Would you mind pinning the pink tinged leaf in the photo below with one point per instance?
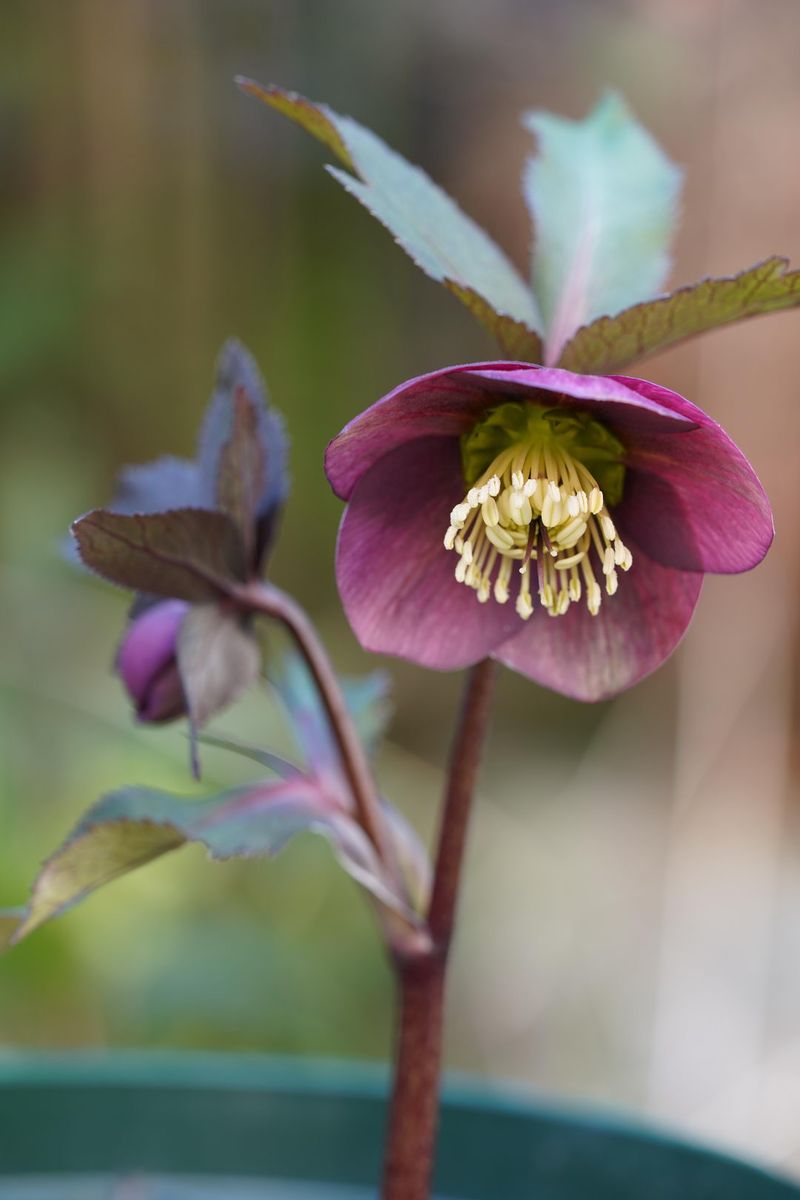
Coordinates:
(593, 658)
(187, 553)
(134, 826)
(445, 243)
(218, 660)
(395, 578)
(603, 199)
(412, 858)
(609, 343)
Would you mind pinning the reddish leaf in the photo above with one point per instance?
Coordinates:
(187, 553)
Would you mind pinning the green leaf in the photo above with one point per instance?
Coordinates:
(134, 826)
(445, 243)
(10, 921)
(603, 199)
(187, 553)
(265, 758)
(516, 340)
(612, 342)
(89, 859)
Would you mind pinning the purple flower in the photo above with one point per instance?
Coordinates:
(561, 523)
(148, 664)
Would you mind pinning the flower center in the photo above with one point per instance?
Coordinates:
(540, 480)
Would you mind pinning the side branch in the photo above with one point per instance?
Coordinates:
(271, 602)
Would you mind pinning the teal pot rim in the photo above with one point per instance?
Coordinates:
(300, 1119)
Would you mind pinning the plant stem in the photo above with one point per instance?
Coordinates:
(413, 1116)
(271, 602)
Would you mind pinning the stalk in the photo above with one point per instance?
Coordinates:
(414, 1109)
(271, 602)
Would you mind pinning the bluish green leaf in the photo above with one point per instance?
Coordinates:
(445, 243)
(603, 199)
(134, 826)
(367, 701)
(265, 758)
(612, 342)
(187, 553)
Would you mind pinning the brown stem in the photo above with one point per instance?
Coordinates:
(271, 602)
(413, 1115)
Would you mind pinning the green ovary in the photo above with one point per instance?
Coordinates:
(540, 480)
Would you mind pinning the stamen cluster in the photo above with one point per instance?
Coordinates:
(539, 508)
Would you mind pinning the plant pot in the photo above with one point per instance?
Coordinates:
(249, 1128)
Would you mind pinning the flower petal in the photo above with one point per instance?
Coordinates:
(146, 661)
(395, 577)
(449, 401)
(627, 410)
(593, 658)
(694, 501)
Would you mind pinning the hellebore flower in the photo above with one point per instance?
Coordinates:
(147, 662)
(186, 536)
(560, 523)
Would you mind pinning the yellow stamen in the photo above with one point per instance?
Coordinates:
(537, 504)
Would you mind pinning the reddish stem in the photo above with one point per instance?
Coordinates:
(413, 1116)
(271, 602)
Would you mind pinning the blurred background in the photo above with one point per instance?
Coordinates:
(630, 928)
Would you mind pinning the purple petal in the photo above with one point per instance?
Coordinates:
(593, 658)
(395, 577)
(449, 401)
(694, 501)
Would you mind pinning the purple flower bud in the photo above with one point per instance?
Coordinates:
(148, 665)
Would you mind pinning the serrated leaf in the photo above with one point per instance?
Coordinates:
(218, 659)
(188, 553)
(603, 199)
(612, 342)
(515, 339)
(91, 859)
(242, 450)
(445, 243)
(134, 826)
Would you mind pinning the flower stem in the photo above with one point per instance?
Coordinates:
(413, 1116)
(271, 602)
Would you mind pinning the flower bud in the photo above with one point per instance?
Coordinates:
(148, 664)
